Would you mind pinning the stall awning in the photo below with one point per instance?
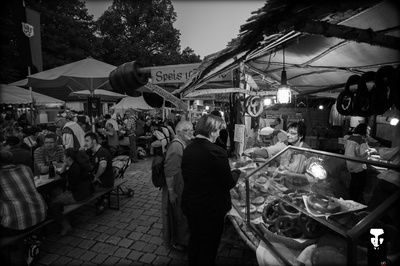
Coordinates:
(324, 44)
(15, 95)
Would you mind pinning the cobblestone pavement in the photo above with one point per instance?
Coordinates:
(132, 235)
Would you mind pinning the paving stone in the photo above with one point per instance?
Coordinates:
(156, 240)
(111, 231)
(88, 255)
(135, 235)
(113, 240)
(99, 258)
(141, 229)
(138, 245)
(123, 233)
(161, 250)
(48, 259)
(147, 258)
(178, 262)
(161, 260)
(86, 243)
(149, 248)
(122, 252)
(98, 247)
(75, 262)
(76, 253)
(146, 238)
(109, 249)
(125, 242)
(102, 237)
(101, 228)
(90, 235)
(111, 261)
(158, 225)
(121, 225)
(63, 260)
(63, 250)
(135, 255)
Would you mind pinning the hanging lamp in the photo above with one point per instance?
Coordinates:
(284, 94)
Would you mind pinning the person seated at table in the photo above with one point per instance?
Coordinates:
(19, 155)
(101, 162)
(48, 153)
(78, 185)
(21, 206)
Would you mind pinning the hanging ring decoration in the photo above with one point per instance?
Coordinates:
(254, 106)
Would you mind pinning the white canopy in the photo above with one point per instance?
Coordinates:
(15, 95)
(136, 103)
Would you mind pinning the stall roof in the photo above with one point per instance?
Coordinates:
(324, 43)
(16, 95)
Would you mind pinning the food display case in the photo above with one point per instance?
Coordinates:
(300, 195)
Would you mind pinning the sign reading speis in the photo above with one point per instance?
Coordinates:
(179, 74)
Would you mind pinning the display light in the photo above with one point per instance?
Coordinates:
(316, 169)
(267, 101)
(321, 107)
(207, 107)
(284, 94)
(392, 115)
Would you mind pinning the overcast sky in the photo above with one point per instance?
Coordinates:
(205, 25)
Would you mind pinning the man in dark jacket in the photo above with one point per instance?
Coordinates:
(206, 198)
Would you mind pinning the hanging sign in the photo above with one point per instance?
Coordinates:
(179, 74)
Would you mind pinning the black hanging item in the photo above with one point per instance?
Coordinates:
(345, 100)
(127, 78)
(94, 106)
(153, 99)
(384, 89)
(395, 92)
(362, 97)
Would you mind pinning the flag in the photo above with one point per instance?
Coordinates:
(32, 27)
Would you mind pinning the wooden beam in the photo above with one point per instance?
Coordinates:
(349, 33)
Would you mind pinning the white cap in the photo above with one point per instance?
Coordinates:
(266, 131)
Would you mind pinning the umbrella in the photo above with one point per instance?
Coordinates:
(86, 74)
(103, 94)
(15, 95)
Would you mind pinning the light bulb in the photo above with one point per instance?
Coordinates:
(284, 95)
(267, 101)
(321, 107)
(207, 107)
(394, 121)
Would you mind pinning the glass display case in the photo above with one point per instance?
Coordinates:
(301, 194)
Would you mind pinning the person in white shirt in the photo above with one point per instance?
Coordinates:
(73, 135)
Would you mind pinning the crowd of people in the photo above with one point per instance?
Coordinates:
(198, 177)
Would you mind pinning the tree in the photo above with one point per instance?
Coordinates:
(67, 31)
(141, 31)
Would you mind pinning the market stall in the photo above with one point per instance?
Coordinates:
(332, 66)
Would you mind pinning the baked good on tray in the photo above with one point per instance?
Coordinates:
(258, 200)
(322, 204)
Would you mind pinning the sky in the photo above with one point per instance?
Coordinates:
(206, 26)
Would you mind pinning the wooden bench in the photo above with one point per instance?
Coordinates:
(5, 241)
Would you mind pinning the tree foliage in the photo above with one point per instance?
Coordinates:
(129, 30)
(141, 31)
